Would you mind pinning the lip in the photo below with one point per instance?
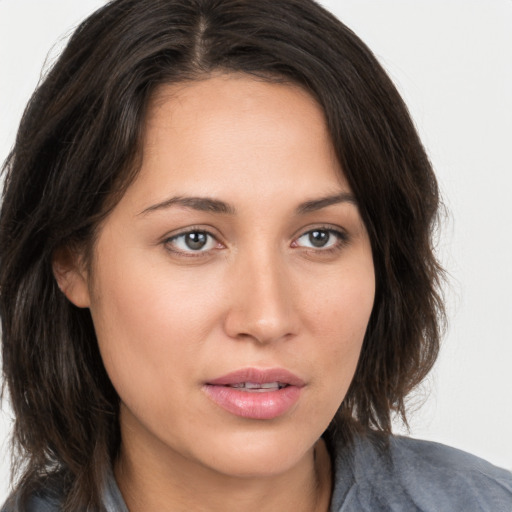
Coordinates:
(260, 405)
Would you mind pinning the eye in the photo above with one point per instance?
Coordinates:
(321, 238)
(192, 241)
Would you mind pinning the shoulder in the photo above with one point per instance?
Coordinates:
(451, 476)
(49, 495)
(44, 500)
(430, 456)
(41, 494)
(409, 474)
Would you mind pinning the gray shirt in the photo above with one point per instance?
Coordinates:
(407, 476)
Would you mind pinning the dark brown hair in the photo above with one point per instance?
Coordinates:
(76, 152)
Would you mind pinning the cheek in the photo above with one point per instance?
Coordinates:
(339, 321)
(150, 324)
(158, 326)
(342, 302)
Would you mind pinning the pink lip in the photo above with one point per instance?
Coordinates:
(255, 405)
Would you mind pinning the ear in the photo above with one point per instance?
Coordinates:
(71, 276)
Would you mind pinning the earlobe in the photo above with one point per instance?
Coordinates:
(71, 276)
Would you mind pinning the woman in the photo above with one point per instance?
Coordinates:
(217, 279)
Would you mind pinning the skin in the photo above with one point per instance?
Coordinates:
(258, 294)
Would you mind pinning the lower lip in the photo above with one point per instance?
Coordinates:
(264, 405)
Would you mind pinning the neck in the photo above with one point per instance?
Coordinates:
(182, 486)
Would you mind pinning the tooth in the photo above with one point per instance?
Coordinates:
(270, 385)
(254, 386)
(263, 385)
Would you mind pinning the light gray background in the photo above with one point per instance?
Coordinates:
(452, 61)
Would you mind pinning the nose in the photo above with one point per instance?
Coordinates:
(262, 301)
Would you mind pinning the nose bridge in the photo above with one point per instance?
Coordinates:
(261, 305)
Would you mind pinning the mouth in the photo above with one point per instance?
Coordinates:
(256, 378)
(255, 393)
(254, 387)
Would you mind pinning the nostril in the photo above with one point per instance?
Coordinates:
(261, 306)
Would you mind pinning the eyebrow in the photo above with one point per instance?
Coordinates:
(324, 202)
(207, 204)
(203, 204)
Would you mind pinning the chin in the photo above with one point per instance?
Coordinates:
(253, 454)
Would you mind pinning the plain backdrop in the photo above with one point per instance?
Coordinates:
(452, 62)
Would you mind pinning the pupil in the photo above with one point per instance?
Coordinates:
(195, 240)
(318, 238)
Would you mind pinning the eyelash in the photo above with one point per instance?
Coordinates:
(342, 240)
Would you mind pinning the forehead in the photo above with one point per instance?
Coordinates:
(234, 132)
(225, 102)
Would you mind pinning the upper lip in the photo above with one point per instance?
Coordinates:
(258, 376)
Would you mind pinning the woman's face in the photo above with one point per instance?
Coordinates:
(232, 285)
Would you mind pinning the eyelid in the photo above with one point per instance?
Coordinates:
(341, 234)
(333, 228)
(167, 239)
